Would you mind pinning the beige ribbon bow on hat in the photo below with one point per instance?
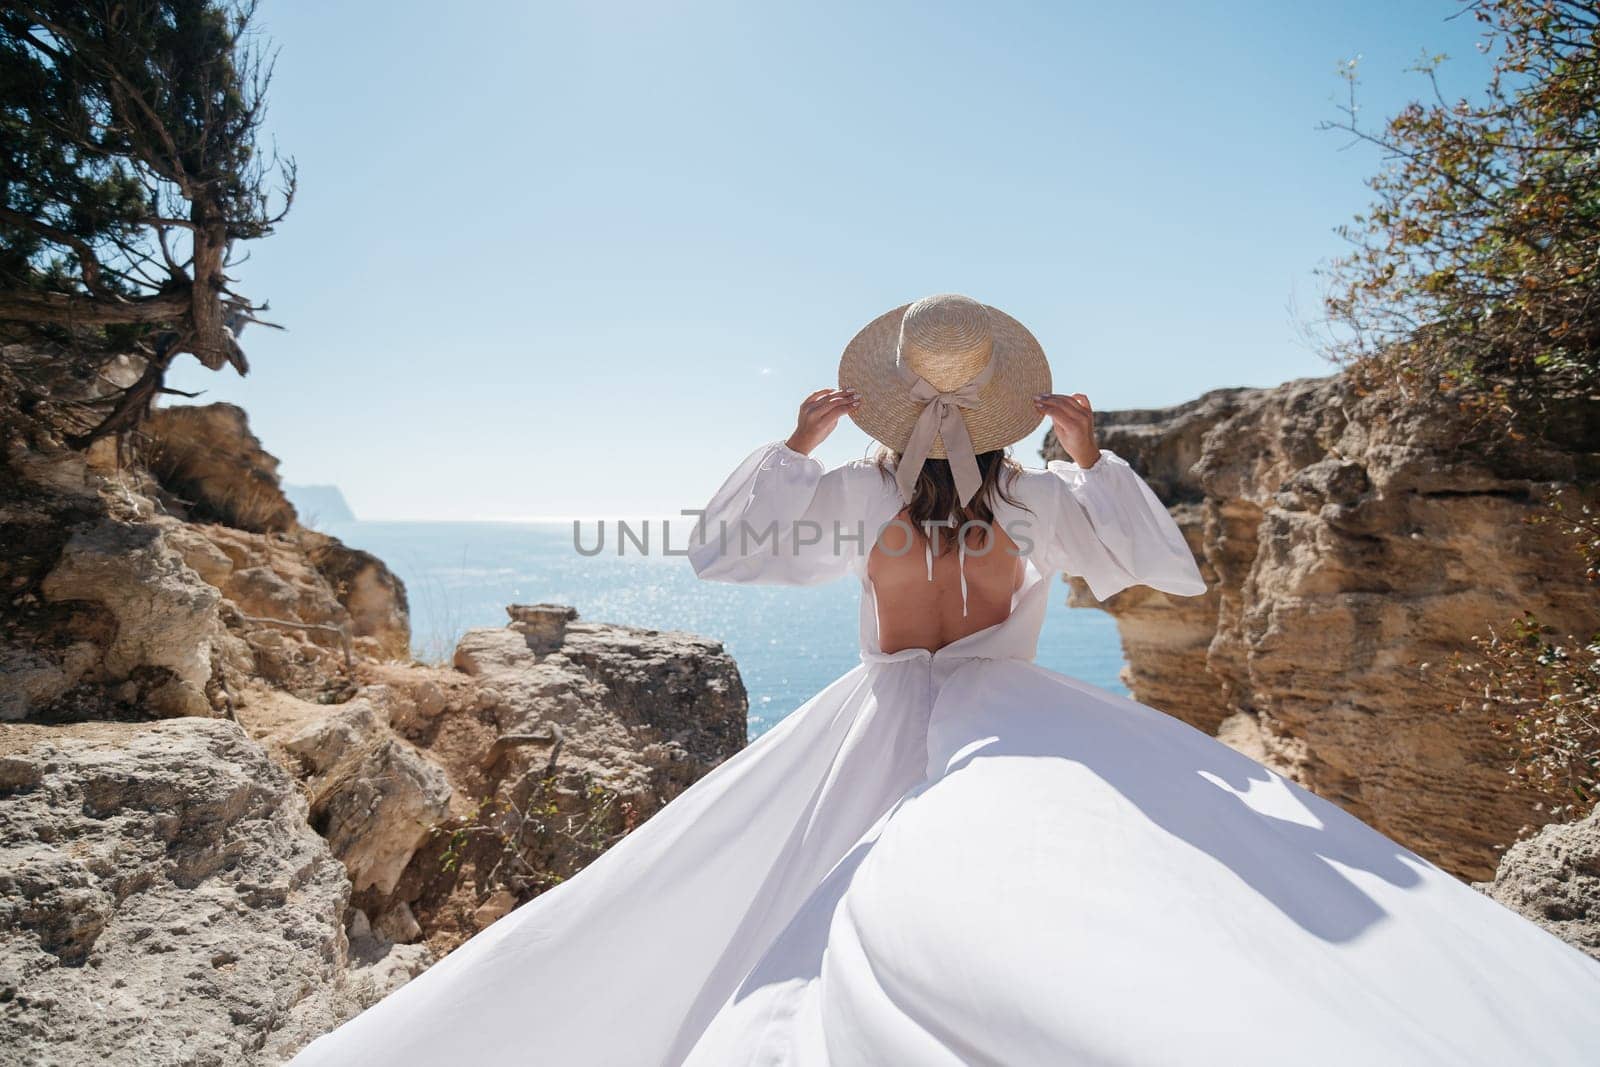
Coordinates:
(941, 416)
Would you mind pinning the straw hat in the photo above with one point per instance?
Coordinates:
(945, 357)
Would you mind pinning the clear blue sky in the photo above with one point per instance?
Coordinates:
(579, 258)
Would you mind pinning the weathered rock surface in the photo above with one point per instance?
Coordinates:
(565, 736)
(1553, 878)
(213, 468)
(371, 594)
(121, 608)
(301, 600)
(1351, 546)
(166, 630)
(635, 710)
(205, 891)
(50, 651)
(163, 900)
(373, 796)
(452, 795)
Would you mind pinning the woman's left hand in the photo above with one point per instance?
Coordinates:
(1073, 420)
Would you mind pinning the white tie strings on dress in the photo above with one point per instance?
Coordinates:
(941, 418)
(961, 564)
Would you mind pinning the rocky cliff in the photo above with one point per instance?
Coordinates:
(1351, 545)
(233, 811)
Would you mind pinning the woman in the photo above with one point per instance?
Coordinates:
(953, 856)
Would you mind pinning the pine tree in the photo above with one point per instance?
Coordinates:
(130, 174)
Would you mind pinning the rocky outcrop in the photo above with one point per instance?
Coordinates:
(51, 650)
(211, 468)
(565, 736)
(166, 633)
(635, 711)
(163, 900)
(1553, 878)
(1351, 544)
(316, 814)
(120, 607)
(454, 794)
(371, 594)
(305, 604)
(373, 796)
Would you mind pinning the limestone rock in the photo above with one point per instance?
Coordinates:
(1351, 544)
(372, 594)
(165, 619)
(1553, 878)
(398, 924)
(482, 786)
(162, 900)
(114, 609)
(35, 680)
(635, 709)
(302, 600)
(557, 737)
(168, 893)
(373, 796)
(230, 521)
(380, 966)
(206, 458)
(544, 625)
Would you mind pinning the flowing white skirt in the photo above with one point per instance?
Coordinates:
(979, 861)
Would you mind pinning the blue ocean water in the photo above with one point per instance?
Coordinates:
(789, 642)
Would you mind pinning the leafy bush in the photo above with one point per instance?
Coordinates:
(1476, 270)
(1542, 689)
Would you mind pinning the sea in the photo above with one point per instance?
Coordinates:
(789, 642)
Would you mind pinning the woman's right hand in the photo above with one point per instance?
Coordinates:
(819, 415)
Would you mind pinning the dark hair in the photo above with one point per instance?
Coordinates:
(935, 498)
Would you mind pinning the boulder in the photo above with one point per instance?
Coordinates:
(1553, 878)
(634, 710)
(165, 627)
(163, 900)
(557, 737)
(373, 796)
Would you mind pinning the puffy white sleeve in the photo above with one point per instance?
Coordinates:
(780, 519)
(1105, 525)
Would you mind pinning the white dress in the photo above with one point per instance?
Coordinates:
(963, 858)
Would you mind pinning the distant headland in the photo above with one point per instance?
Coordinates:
(319, 503)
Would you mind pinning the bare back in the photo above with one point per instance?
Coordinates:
(914, 612)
